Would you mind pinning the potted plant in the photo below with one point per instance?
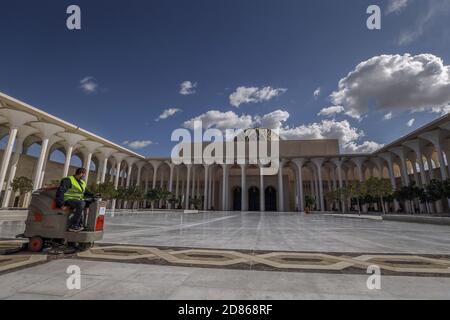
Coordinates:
(309, 203)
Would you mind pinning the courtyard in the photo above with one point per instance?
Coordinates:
(234, 255)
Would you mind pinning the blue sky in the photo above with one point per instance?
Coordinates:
(126, 66)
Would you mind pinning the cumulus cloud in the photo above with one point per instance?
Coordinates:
(168, 113)
(388, 116)
(273, 120)
(396, 6)
(350, 138)
(89, 85)
(365, 147)
(138, 144)
(244, 95)
(221, 120)
(395, 82)
(188, 88)
(347, 135)
(331, 111)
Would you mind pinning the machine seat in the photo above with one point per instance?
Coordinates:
(64, 208)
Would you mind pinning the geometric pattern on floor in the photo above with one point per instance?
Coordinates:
(393, 264)
(19, 261)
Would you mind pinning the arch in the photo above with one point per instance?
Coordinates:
(57, 156)
(253, 199)
(270, 199)
(237, 199)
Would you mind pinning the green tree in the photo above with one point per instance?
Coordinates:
(378, 188)
(310, 202)
(408, 193)
(333, 197)
(106, 190)
(22, 185)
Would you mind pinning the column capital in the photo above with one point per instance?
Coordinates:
(338, 161)
(119, 156)
(130, 161)
(16, 118)
(155, 164)
(400, 152)
(358, 161)
(435, 137)
(91, 146)
(318, 161)
(26, 131)
(71, 139)
(299, 162)
(47, 130)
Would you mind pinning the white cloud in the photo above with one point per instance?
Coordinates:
(395, 82)
(410, 122)
(349, 137)
(365, 147)
(442, 110)
(138, 144)
(415, 30)
(188, 88)
(331, 111)
(221, 120)
(388, 116)
(317, 92)
(396, 6)
(168, 113)
(244, 95)
(89, 85)
(273, 120)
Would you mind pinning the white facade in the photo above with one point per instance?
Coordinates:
(308, 167)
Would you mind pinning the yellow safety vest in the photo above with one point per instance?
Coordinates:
(76, 191)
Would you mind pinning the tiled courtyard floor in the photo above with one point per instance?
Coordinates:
(240, 256)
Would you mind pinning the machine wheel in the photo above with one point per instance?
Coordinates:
(86, 246)
(35, 244)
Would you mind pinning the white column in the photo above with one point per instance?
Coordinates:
(301, 198)
(40, 163)
(210, 187)
(7, 155)
(177, 186)
(16, 120)
(262, 202)
(338, 164)
(318, 162)
(155, 176)
(389, 159)
(87, 166)
(90, 148)
(243, 188)
(104, 169)
(205, 191)
(69, 152)
(193, 180)
(213, 192)
(280, 187)
(119, 158)
(188, 177)
(224, 187)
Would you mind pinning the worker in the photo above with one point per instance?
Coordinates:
(72, 193)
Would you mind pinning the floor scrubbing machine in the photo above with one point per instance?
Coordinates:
(47, 225)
